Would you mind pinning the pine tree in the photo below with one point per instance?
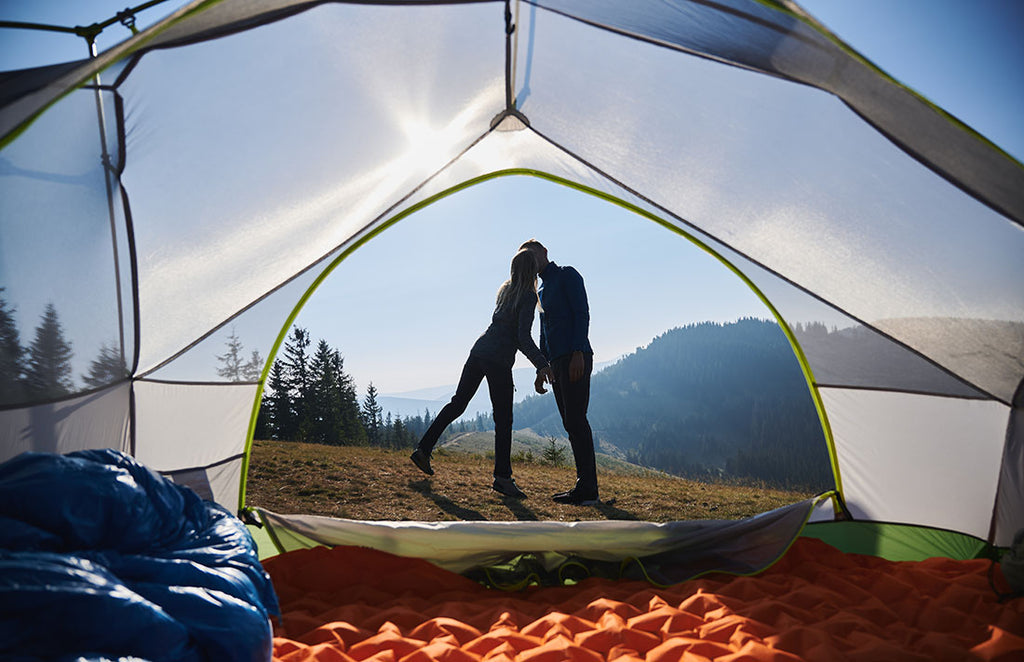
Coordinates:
(352, 429)
(231, 360)
(277, 400)
(372, 414)
(252, 368)
(107, 368)
(262, 429)
(387, 433)
(332, 413)
(12, 356)
(322, 423)
(553, 453)
(48, 373)
(296, 365)
(399, 434)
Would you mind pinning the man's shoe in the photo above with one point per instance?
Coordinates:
(422, 460)
(574, 498)
(508, 487)
(563, 495)
(580, 495)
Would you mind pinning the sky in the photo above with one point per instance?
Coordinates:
(641, 280)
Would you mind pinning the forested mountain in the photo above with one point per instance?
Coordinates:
(727, 400)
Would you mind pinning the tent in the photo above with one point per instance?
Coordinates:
(742, 124)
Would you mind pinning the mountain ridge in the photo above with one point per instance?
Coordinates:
(432, 398)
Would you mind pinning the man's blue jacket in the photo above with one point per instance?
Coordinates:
(565, 315)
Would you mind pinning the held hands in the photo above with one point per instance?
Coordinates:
(577, 368)
(543, 375)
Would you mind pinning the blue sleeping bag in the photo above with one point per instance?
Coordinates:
(101, 557)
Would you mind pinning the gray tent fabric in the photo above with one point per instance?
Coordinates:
(294, 131)
(779, 39)
(1009, 511)
(687, 549)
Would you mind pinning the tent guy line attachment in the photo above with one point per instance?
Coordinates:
(125, 17)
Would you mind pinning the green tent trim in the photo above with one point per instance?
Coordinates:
(899, 542)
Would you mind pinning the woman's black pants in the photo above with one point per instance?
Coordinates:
(499, 383)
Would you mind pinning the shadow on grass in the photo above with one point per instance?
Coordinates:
(608, 509)
(444, 503)
(518, 508)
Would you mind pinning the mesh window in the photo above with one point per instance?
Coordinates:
(60, 262)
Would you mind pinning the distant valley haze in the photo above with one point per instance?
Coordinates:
(432, 398)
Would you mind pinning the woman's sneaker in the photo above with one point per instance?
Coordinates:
(508, 487)
(422, 460)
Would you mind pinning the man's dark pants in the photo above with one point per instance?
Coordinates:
(572, 399)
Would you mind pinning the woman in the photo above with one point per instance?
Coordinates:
(492, 357)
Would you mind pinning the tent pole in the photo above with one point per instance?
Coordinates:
(107, 167)
(514, 58)
(510, 102)
(510, 28)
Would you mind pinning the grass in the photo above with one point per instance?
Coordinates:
(378, 484)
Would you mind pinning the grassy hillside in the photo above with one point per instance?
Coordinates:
(528, 447)
(376, 484)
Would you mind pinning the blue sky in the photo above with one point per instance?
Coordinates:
(964, 56)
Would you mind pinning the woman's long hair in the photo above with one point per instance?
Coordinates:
(522, 283)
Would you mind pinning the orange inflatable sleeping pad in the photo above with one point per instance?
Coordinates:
(817, 603)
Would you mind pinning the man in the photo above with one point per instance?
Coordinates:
(564, 325)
